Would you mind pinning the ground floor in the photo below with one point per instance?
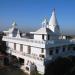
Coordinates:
(10, 70)
(30, 63)
(15, 66)
(60, 66)
(27, 65)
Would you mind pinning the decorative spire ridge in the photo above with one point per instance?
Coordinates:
(18, 34)
(45, 22)
(53, 20)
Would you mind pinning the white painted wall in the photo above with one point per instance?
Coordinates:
(25, 49)
(35, 51)
(18, 47)
(52, 28)
(45, 37)
(11, 45)
(38, 37)
(30, 42)
(10, 35)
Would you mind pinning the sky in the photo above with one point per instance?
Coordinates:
(29, 14)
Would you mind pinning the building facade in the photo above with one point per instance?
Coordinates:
(38, 48)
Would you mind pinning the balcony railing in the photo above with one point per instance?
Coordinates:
(25, 54)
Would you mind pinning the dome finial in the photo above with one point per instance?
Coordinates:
(45, 22)
(54, 9)
(14, 24)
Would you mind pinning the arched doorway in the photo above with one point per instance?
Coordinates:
(21, 61)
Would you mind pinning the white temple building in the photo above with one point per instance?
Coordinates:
(40, 47)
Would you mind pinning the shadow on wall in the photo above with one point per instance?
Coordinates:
(61, 66)
(2, 44)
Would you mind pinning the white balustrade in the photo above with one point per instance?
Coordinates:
(25, 54)
(25, 39)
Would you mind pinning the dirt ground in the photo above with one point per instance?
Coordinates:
(7, 70)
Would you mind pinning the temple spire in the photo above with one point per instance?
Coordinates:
(53, 19)
(53, 24)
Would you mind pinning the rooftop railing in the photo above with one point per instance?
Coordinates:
(48, 42)
(25, 39)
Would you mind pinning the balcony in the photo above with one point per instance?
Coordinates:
(25, 41)
(11, 51)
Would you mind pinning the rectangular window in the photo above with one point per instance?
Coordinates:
(42, 56)
(57, 50)
(43, 36)
(50, 52)
(14, 46)
(29, 50)
(21, 47)
(48, 37)
(63, 49)
(42, 50)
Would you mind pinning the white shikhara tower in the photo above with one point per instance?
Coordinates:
(37, 49)
(53, 24)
